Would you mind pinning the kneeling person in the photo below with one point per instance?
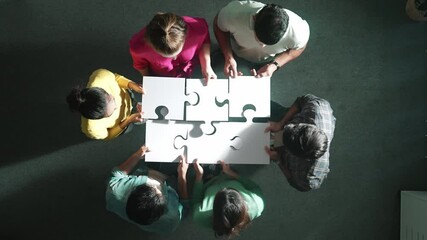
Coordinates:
(145, 199)
(305, 134)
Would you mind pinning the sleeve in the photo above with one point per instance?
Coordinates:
(303, 37)
(120, 182)
(251, 186)
(207, 38)
(305, 100)
(113, 132)
(197, 196)
(139, 63)
(92, 130)
(136, 52)
(200, 216)
(122, 81)
(225, 16)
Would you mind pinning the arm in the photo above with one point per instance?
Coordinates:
(281, 59)
(182, 178)
(128, 165)
(205, 62)
(223, 39)
(247, 183)
(276, 126)
(197, 196)
(128, 84)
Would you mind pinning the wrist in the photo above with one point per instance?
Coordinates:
(276, 64)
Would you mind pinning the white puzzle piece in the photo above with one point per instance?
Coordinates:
(246, 90)
(233, 142)
(159, 138)
(206, 108)
(167, 92)
(210, 137)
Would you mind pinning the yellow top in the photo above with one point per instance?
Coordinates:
(116, 85)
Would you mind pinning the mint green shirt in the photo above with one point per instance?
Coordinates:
(119, 188)
(204, 196)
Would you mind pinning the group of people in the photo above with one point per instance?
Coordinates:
(173, 46)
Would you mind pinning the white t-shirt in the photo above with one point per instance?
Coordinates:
(237, 18)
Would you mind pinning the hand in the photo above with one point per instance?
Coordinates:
(136, 117)
(208, 74)
(274, 127)
(139, 107)
(227, 170)
(265, 71)
(274, 155)
(198, 169)
(182, 167)
(142, 150)
(136, 87)
(230, 68)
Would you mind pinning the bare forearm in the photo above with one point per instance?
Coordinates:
(182, 187)
(205, 56)
(223, 39)
(130, 163)
(289, 115)
(288, 56)
(124, 124)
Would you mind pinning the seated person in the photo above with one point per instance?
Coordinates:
(227, 203)
(145, 199)
(172, 46)
(302, 140)
(106, 105)
(266, 34)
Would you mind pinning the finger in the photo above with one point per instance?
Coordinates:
(253, 72)
(231, 73)
(267, 129)
(267, 150)
(239, 74)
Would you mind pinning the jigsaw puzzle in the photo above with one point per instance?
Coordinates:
(205, 127)
(245, 90)
(206, 109)
(163, 92)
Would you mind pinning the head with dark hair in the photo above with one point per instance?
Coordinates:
(92, 103)
(166, 33)
(145, 205)
(271, 23)
(230, 213)
(305, 140)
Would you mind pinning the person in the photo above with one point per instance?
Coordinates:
(144, 198)
(302, 141)
(266, 34)
(172, 46)
(226, 202)
(416, 10)
(106, 105)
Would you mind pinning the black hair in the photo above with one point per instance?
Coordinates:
(90, 102)
(305, 140)
(271, 23)
(145, 205)
(230, 213)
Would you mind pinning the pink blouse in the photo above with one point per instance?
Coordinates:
(146, 57)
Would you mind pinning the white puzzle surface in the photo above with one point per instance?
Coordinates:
(166, 92)
(245, 90)
(203, 129)
(206, 108)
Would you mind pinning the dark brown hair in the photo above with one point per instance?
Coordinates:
(230, 213)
